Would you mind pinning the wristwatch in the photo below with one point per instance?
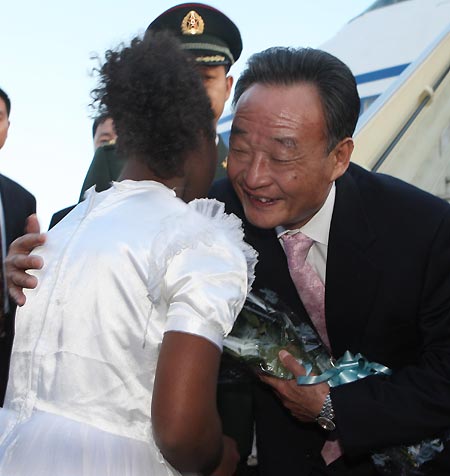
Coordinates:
(326, 415)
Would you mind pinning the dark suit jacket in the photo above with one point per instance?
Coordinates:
(387, 297)
(59, 215)
(18, 204)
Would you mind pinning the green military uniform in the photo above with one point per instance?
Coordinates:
(222, 154)
(107, 165)
(104, 169)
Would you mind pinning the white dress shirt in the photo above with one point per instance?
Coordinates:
(318, 229)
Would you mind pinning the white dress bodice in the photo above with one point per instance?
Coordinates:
(125, 266)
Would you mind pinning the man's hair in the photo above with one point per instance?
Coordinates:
(334, 81)
(154, 93)
(97, 121)
(7, 101)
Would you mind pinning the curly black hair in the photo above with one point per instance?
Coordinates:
(154, 93)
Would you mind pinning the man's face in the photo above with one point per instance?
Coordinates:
(4, 123)
(218, 87)
(278, 161)
(105, 133)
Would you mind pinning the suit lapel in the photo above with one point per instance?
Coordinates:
(5, 209)
(352, 276)
(10, 221)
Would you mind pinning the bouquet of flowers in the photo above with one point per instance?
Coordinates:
(408, 460)
(266, 326)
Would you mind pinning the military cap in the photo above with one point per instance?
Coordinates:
(205, 31)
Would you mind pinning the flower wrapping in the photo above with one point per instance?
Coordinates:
(266, 325)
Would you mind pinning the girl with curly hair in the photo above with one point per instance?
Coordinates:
(116, 354)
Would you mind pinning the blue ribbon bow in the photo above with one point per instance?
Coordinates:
(347, 368)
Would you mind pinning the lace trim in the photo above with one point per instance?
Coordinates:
(231, 225)
(187, 233)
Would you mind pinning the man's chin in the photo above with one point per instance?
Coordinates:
(260, 220)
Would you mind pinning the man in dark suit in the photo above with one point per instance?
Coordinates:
(380, 247)
(15, 206)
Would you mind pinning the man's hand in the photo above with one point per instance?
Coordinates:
(303, 401)
(19, 260)
(230, 458)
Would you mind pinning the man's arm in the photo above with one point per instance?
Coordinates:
(20, 259)
(411, 404)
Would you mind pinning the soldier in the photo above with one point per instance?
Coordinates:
(103, 131)
(216, 44)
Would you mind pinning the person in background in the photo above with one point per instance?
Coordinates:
(106, 166)
(103, 131)
(116, 355)
(215, 42)
(16, 204)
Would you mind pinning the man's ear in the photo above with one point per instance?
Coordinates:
(230, 81)
(341, 156)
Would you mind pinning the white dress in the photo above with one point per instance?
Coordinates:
(122, 268)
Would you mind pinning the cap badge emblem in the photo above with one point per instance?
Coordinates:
(192, 24)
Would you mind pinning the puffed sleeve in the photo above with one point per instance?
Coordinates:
(206, 283)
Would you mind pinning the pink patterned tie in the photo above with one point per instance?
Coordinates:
(312, 293)
(309, 286)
